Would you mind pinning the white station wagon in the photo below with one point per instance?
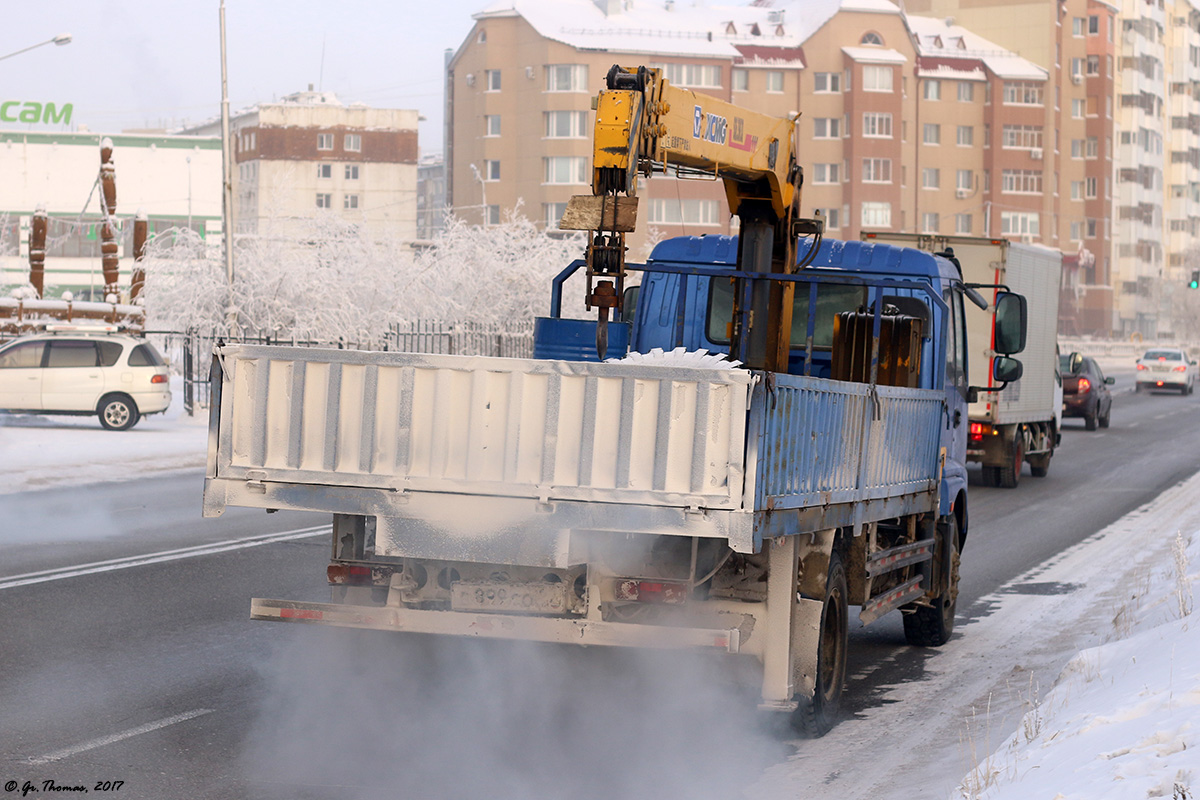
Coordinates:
(72, 370)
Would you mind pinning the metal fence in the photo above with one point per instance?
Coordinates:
(192, 350)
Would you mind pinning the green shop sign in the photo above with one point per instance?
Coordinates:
(31, 111)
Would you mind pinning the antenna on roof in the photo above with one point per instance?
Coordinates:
(321, 74)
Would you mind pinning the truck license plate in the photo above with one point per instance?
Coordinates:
(521, 598)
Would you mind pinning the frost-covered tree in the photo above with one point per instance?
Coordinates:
(340, 283)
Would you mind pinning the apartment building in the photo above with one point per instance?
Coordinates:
(1182, 197)
(908, 123)
(309, 154)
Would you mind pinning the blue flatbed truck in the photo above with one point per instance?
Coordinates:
(654, 501)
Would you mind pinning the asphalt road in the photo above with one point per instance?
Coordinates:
(126, 653)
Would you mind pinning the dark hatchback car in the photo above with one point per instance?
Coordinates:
(1085, 390)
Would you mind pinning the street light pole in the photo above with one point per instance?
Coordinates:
(227, 174)
(61, 39)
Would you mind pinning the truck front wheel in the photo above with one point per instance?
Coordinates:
(931, 626)
(815, 715)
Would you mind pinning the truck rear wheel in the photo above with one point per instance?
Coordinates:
(815, 715)
(1010, 475)
(931, 626)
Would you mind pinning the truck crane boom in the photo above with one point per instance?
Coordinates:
(645, 125)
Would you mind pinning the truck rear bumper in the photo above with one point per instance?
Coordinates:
(496, 626)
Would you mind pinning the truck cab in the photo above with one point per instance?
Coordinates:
(678, 307)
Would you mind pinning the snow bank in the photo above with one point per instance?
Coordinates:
(1123, 720)
(679, 357)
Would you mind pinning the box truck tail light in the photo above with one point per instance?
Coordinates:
(651, 591)
(1085, 386)
(158, 378)
(976, 431)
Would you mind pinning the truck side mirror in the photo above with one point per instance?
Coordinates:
(1012, 314)
(1006, 370)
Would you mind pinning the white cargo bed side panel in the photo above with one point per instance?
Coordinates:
(1036, 273)
(548, 430)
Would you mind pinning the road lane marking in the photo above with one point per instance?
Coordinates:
(59, 755)
(29, 578)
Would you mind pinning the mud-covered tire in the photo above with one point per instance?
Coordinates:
(816, 715)
(1009, 475)
(931, 626)
(118, 412)
(1039, 466)
(990, 476)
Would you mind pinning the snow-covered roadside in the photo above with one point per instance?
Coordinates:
(1123, 719)
(40, 452)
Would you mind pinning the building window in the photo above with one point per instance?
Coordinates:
(353, 143)
(740, 78)
(774, 81)
(324, 141)
(1022, 93)
(931, 177)
(1077, 66)
(965, 136)
(933, 89)
(349, 201)
(565, 169)
(1077, 26)
(491, 170)
(966, 92)
(877, 125)
(566, 78)
(827, 128)
(930, 222)
(1089, 188)
(1076, 190)
(492, 82)
(1021, 137)
(693, 75)
(825, 173)
(871, 38)
(877, 78)
(1078, 106)
(1092, 148)
(832, 218)
(324, 200)
(566, 124)
(351, 172)
(877, 170)
(491, 125)
(1019, 223)
(1077, 148)
(1093, 65)
(1076, 231)
(324, 170)
(1094, 25)
(932, 134)
(826, 82)
(552, 213)
(1091, 228)
(962, 224)
(964, 180)
(876, 215)
(684, 212)
(492, 215)
(1021, 181)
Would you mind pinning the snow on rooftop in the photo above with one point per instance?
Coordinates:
(940, 38)
(875, 55)
(676, 27)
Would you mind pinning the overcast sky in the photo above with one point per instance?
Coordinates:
(137, 63)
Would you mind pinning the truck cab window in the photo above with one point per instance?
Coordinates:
(956, 356)
(832, 299)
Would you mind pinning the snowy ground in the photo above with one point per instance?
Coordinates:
(1122, 721)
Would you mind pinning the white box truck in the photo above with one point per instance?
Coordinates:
(1023, 423)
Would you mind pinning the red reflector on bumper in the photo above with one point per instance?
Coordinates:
(300, 613)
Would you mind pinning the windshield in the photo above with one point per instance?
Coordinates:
(1163, 355)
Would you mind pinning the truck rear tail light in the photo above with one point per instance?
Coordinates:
(976, 430)
(158, 378)
(652, 592)
(1085, 386)
(349, 574)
